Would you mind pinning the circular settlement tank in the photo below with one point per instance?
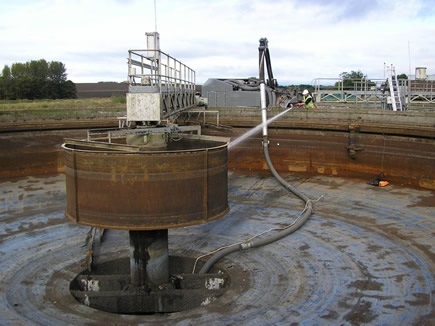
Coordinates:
(132, 188)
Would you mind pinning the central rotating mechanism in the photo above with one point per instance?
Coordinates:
(147, 176)
(146, 180)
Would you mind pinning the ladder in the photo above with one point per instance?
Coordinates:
(396, 98)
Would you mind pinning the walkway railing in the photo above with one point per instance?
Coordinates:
(372, 91)
(156, 68)
(152, 72)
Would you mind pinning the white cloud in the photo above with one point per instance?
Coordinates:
(219, 38)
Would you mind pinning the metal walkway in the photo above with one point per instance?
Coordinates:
(160, 86)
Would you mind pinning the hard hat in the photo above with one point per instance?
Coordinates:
(305, 92)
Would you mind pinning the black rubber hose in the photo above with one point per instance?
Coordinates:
(308, 204)
(259, 243)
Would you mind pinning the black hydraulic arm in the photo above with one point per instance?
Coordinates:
(264, 56)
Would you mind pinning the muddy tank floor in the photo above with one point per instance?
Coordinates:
(366, 256)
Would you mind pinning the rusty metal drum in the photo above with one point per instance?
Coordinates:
(117, 186)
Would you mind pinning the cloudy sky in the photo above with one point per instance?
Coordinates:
(308, 39)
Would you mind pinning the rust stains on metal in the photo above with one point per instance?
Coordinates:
(405, 160)
(146, 190)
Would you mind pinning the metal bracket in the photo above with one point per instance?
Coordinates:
(353, 147)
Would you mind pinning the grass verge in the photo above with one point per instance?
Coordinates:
(62, 109)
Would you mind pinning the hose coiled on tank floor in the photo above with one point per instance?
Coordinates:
(262, 242)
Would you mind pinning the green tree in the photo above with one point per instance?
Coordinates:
(349, 78)
(402, 76)
(36, 79)
(68, 90)
(5, 83)
(57, 72)
(353, 79)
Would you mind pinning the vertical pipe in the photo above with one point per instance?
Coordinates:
(149, 261)
(261, 56)
(263, 107)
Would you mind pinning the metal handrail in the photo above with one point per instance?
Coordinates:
(362, 91)
(159, 69)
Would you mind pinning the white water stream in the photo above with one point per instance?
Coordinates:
(254, 130)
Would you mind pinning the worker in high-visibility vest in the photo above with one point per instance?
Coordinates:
(308, 102)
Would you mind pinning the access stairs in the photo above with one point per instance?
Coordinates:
(397, 100)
